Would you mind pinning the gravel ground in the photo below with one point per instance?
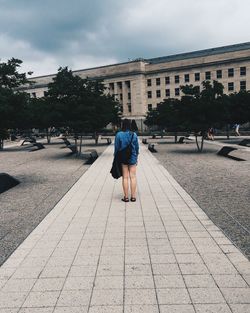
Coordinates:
(45, 176)
(218, 184)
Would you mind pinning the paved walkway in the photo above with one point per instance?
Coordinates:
(96, 254)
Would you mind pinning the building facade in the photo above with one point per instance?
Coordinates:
(141, 84)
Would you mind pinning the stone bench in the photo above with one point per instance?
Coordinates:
(227, 151)
(151, 147)
(108, 140)
(37, 146)
(245, 143)
(28, 139)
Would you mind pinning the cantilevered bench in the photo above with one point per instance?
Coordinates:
(151, 147)
(28, 139)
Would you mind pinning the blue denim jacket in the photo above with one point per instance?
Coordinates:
(122, 140)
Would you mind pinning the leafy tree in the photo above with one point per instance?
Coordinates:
(13, 104)
(202, 110)
(81, 104)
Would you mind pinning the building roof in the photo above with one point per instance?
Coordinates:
(170, 58)
(200, 53)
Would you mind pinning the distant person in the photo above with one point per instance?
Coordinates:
(210, 133)
(123, 139)
(236, 129)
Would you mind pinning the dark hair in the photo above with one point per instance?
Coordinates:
(126, 124)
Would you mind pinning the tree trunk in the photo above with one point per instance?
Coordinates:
(76, 144)
(175, 137)
(80, 146)
(96, 138)
(227, 131)
(48, 135)
(200, 147)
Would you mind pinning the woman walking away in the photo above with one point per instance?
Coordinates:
(126, 142)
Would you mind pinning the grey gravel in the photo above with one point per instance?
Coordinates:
(45, 176)
(220, 186)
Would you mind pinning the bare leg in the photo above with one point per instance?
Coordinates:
(125, 176)
(132, 175)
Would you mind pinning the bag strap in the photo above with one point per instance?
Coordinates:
(131, 138)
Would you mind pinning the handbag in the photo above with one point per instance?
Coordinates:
(116, 169)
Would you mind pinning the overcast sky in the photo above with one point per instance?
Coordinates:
(46, 34)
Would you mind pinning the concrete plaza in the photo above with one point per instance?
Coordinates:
(93, 253)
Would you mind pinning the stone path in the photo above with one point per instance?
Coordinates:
(93, 253)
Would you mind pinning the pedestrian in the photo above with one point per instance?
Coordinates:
(127, 139)
(210, 133)
(236, 129)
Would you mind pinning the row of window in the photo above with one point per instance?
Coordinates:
(119, 85)
(219, 75)
(177, 90)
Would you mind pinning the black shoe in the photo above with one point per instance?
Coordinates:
(132, 199)
(124, 199)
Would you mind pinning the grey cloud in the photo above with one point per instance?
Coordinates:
(80, 31)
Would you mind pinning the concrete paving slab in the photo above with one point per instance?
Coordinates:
(95, 254)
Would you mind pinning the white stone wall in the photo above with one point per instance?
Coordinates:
(131, 77)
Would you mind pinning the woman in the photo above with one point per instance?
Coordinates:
(123, 139)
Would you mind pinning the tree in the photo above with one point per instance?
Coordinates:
(13, 103)
(81, 104)
(202, 110)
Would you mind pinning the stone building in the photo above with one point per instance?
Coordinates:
(142, 83)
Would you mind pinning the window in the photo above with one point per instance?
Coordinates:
(129, 108)
(158, 81)
(167, 92)
(149, 94)
(219, 74)
(127, 82)
(196, 76)
(167, 80)
(111, 86)
(119, 85)
(121, 96)
(243, 71)
(243, 85)
(208, 75)
(230, 72)
(33, 94)
(186, 77)
(149, 82)
(45, 93)
(177, 91)
(149, 107)
(177, 79)
(121, 108)
(231, 86)
(129, 96)
(158, 93)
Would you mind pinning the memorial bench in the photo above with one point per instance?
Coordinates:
(28, 139)
(108, 140)
(37, 146)
(245, 142)
(68, 144)
(92, 156)
(151, 147)
(226, 150)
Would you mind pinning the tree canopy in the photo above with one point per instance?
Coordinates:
(13, 104)
(197, 111)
